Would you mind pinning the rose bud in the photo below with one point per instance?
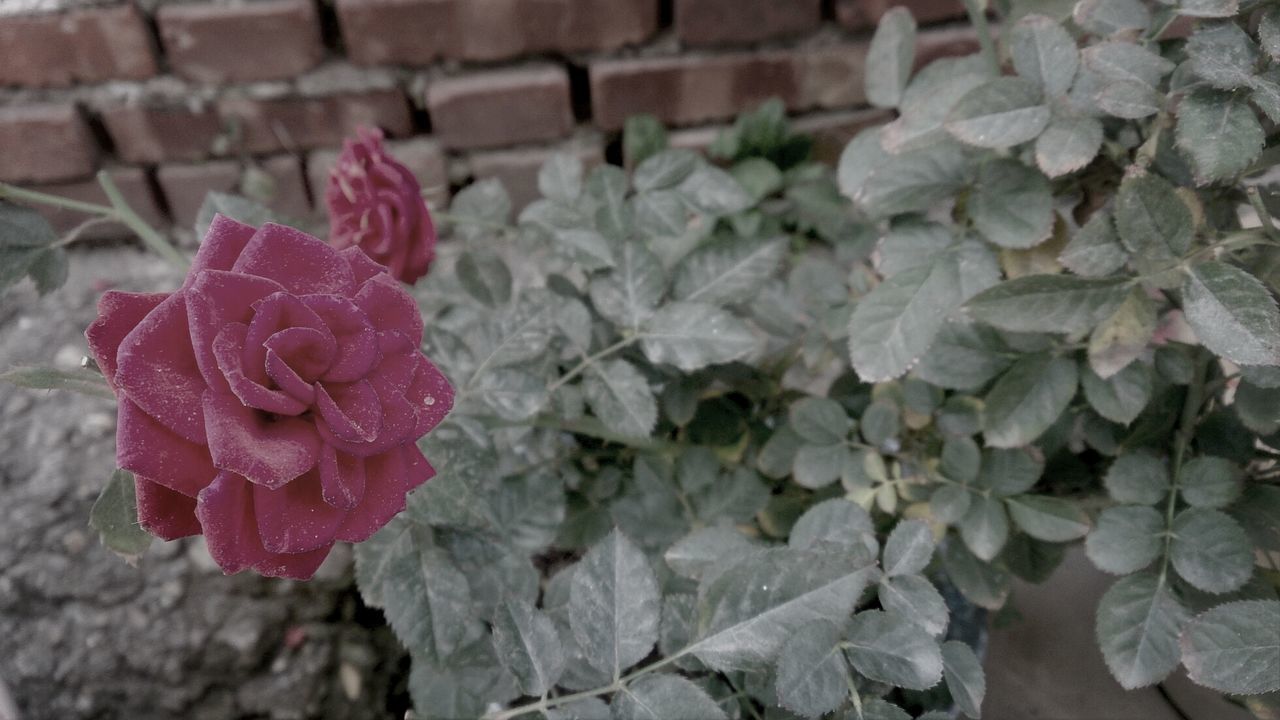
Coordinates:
(273, 402)
(375, 203)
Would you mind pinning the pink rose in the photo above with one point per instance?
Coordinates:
(273, 401)
(376, 203)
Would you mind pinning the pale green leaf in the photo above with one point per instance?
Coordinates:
(560, 178)
(1048, 518)
(819, 420)
(1068, 144)
(890, 58)
(1120, 61)
(915, 598)
(1210, 482)
(1129, 99)
(1057, 303)
(664, 169)
(425, 596)
(908, 548)
(1219, 133)
(727, 272)
(528, 645)
(836, 525)
(1121, 338)
(628, 294)
(1121, 397)
(985, 528)
(949, 503)
(965, 678)
(1010, 471)
(662, 697)
(893, 326)
(911, 181)
(484, 276)
(1028, 399)
(1210, 550)
(984, 584)
(1223, 54)
(1138, 477)
(614, 605)
(713, 191)
(1138, 624)
(1153, 222)
(964, 356)
(811, 670)
(1001, 113)
(1043, 52)
(1108, 17)
(889, 649)
(1011, 204)
(961, 460)
(1127, 539)
(85, 382)
(115, 516)
(693, 335)
(620, 396)
(1235, 648)
(1209, 8)
(703, 549)
(1232, 314)
(642, 137)
(478, 207)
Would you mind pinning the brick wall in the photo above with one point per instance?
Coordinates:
(177, 97)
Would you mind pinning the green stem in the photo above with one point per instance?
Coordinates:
(1182, 439)
(1264, 215)
(11, 192)
(588, 361)
(617, 685)
(152, 239)
(978, 17)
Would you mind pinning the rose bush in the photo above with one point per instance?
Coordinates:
(375, 203)
(273, 401)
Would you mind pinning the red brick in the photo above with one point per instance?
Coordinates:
(721, 22)
(418, 32)
(689, 89)
(518, 169)
(859, 14)
(82, 46)
(45, 143)
(423, 156)
(217, 43)
(185, 186)
(303, 123)
(133, 185)
(508, 107)
(153, 134)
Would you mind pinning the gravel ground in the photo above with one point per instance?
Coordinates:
(85, 635)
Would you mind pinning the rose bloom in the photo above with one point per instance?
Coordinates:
(273, 402)
(376, 203)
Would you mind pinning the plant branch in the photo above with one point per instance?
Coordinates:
(149, 236)
(11, 192)
(588, 361)
(1264, 215)
(616, 686)
(1182, 439)
(978, 17)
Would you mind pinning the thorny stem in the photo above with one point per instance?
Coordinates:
(1186, 430)
(616, 686)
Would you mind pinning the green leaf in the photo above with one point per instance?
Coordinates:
(1060, 303)
(914, 180)
(702, 550)
(1048, 518)
(484, 276)
(494, 569)
(560, 178)
(467, 686)
(665, 169)
(642, 137)
(964, 356)
(1258, 407)
(1138, 477)
(25, 249)
(890, 58)
(908, 549)
(478, 207)
(1219, 133)
(929, 97)
(528, 645)
(1210, 550)
(811, 670)
(836, 525)
(736, 497)
(1208, 8)
(1068, 144)
(1269, 31)
(236, 207)
(985, 528)
(49, 270)
(1028, 399)
(1139, 621)
(664, 696)
(620, 396)
(965, 678)
(588, 247)
(713, 191)
(628, 294)
(915, 598)
(1232, 314)
(727, 272)
(697, 468)
(1011, 471)
(1011, 204)
(949, 503)
(1121, 338)
(889, 649)
(1127, 539)
(1120, 61)
(660, 213)
(893, 326)
(760, 177)
(425, 596)
(756, 604)
(1108, 17)
(1210, 482)
(960, 460)
(820, 421)
(1129, 99)
(588, 708)
(1223, 54)
(614, 605)
(514, 395)
(984, 584)
(1153, 222)
(779, 452)
(1044, 53)
(115, 516)
(1235, 648)
(85, 382)
(1001, 113)
(1123, 396)
(694, 335)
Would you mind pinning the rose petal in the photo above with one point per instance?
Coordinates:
(298, 566)
(307, 351)
(225, 510)
(118, 313)
(269, 453)
(296, 260)
(391, 342)
(389, 307)
(398, 420)
(272, 315)
(147, 448)
(295, 518)
(398, 368)
(215, 299)
(222, 244)
(352, 411)
(430, 394)
(228, 349)
(387, 479)
(288, 380)
(363, 267)
(164, 513)
(419, 470)
(357, 340)
(157, 369)
(341, 478)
